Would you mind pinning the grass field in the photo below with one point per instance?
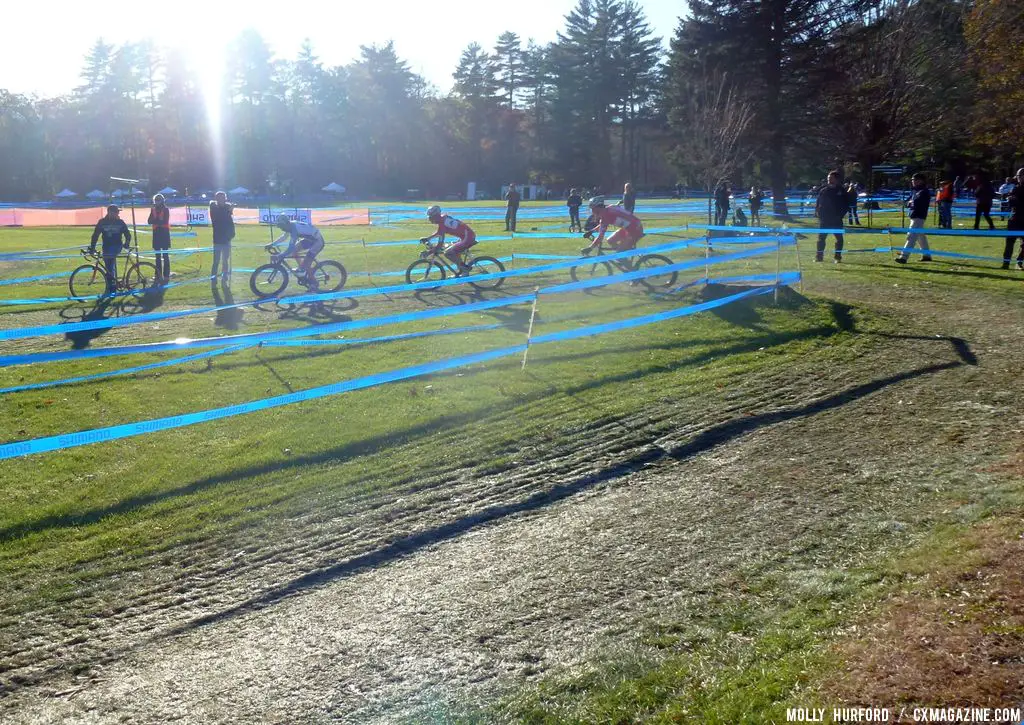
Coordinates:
(688, 521)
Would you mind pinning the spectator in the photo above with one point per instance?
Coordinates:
(739, 219)
(831, 207)
(958, 187)
(971, 184)
(160, 219)
(1004, 192)
(944, 199)
(851, 201)
(983, 194)
(112, 228)
(722, 204)
(918, 216)
(574, 203)
(1015, 223)
(628, 198)
(756, 199)
(513, 197)
(223, 222)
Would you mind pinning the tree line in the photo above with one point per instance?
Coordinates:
(771, 92)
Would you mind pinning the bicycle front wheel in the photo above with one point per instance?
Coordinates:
(590, 270)
(268, 280)
(424, 270)
(140, 276)
(330, 276)
(485, 265)
(658, 282)
(87, 281)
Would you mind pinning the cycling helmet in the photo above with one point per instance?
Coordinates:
(433, 211)
(283, 221)
(596, 202)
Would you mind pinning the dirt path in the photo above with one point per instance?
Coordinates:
(452, 589)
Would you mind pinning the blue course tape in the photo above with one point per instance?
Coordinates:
(955, 232)
(61, 329)
(384, 338)
(124, 371)
(22, 280)
(81, 438)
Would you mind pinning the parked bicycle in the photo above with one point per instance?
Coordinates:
(599, 268)
(271, 279)
(433, 266)
(90, 279)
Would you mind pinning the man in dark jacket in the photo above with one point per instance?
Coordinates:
(1015, 201)
(722, 204)
(513, 197)
(984, 193)
(574, 202)
(113, 229)
(160, 218)
(830, 209)
(223, 222)
(918, 216)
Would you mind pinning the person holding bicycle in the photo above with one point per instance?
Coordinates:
(302, 238)
(112, 228)
(630, 231)
(450, 225)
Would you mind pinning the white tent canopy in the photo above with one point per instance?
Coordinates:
(96, 194)
(239, 190)
(65, 194)
(168, 190)
(334, 188)
(118, 193)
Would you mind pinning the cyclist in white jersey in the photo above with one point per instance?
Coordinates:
(302, 237)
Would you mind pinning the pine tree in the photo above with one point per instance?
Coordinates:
(508, 66)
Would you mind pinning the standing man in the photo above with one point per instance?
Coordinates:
(513, 197)
(918, 216)
(574, 202)
(223, 222)
(628, 198)
(160, 219)
(112, 228)
(756, 199)
(832, 206)
(944, 200)
(1015, 201)
(983, 195)
(722, 204)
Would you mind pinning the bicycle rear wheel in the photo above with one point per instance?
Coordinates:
(590, 270)
(140, 276)
(659, 282)
(330, 276)
(424, 270)
(486, 265)
(268, 280)
(87, 281)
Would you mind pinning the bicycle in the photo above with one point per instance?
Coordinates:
(90, 279)
(631, 264)
(433, 266)
(271, 279)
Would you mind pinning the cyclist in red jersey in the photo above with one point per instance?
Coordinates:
(630, 231)
(450, 225)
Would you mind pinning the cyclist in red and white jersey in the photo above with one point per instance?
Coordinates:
(630, 231)
(450, 225)
(301, 237)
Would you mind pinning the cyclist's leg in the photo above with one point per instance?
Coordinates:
(454, 252)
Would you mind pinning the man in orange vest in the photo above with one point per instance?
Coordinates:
(160, 218)
(944, 199)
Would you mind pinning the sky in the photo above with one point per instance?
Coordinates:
(43, 51)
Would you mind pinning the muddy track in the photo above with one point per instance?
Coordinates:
(245, 588)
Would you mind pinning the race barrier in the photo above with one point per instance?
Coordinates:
(116, 432)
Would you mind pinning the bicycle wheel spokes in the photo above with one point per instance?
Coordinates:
(424, 270)
(268, 280)
(661, 281)
(140, 276)
(485, 265)
(87, 281)
(330, 275)
(590, 270)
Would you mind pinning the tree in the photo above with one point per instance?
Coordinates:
(992, 28)
(508, 66)
(709, 121)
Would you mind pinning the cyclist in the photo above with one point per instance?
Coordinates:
(626, 237)
(112, 228)
(450, 225)
(302, 237)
